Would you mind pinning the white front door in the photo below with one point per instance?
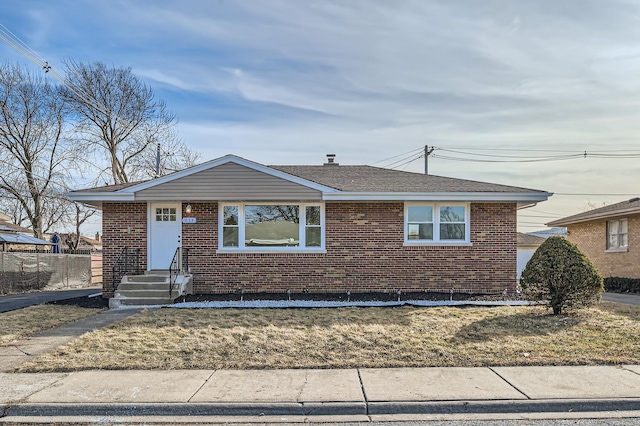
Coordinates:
(165, 234)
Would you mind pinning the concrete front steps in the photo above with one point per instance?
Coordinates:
(151, 289)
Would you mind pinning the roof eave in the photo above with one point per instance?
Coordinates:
(527, 198)
(595, 217)
(100, 196)
(96, 199)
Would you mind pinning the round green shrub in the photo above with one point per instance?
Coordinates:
(561, 275)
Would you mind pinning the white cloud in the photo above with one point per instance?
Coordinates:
(286, 81)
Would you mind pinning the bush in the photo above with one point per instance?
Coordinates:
(561, 275)
(622, 285)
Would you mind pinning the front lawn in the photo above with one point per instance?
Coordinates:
(23, 323)
(354, 337)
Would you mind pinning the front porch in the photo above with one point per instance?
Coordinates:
(131, 286)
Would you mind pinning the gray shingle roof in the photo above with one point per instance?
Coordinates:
(529, 240)
(376, 179)
(627, 207)
(109, 188)
(368, 179)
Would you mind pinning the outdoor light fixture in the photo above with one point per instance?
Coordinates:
(188, 208)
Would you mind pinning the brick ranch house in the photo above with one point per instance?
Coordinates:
(328, 228)
(609, 236)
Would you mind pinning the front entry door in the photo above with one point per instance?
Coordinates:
(165, 234)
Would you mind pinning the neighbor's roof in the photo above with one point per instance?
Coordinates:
(529, 240)
(22, 239)
(338, 182)
(12, 227)
(624, 208)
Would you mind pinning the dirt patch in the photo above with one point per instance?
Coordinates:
(83, 302)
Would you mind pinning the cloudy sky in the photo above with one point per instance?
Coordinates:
(496, 84)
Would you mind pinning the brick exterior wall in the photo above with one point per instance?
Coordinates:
(364, 253)
(591, 238)
(123, 225)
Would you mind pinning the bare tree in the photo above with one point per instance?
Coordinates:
(32, 149)
(118, 118)
(79, 215)
(170, 155)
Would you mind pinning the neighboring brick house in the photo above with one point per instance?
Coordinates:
(327, 228)
(609, 236)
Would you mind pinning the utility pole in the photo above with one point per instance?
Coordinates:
(427, 152)
(158, 160)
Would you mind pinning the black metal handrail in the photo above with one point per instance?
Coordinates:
(127, 262)
(179, 264)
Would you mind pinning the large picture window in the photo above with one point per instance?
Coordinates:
(277, 226)
(617, 234)
(436, 223)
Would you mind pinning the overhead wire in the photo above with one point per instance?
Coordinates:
(408, 161)
(529, 149)
(469, 156)
(531, 160)
(14, 41)
(395, 156)
(86, 97)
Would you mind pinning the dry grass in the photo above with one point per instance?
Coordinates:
(354, 337)
(21, 323)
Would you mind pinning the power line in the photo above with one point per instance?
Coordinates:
(498, 158)
(415, 157)
(395, 156)
(530, 150)
(408, 158)
(533, 215)
(532, 160)
(86, 97)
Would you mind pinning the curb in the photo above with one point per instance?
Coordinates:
(188, 409)
(504, 407)
(574, 406)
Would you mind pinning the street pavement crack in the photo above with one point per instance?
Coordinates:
(201, 386)
(508, 382)
(364, 394)
(26, 353)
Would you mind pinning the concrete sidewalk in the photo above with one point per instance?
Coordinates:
(322, 395)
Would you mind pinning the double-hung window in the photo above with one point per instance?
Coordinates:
(617, 234)
(271, 226)
(427, 223)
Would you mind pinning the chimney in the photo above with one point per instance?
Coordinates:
(331, 160)
(97, 236)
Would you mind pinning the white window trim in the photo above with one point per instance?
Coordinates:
(241, 228)
(618, 248)
(436, 225)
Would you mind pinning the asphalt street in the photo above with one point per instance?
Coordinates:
(626, 298)
(19, 301)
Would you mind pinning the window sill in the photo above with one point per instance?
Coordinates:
(266, 251)
(617, 250)
(437, 243)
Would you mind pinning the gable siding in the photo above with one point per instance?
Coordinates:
(229, 182)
